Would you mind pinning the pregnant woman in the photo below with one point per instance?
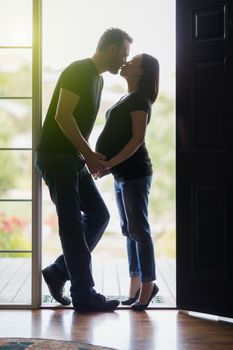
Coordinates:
(122, 141)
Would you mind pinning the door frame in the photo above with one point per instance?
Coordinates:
(36, 180)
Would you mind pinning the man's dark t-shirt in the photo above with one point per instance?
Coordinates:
(118, 131)
(81, 78)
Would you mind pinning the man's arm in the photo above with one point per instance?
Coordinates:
(67, 103)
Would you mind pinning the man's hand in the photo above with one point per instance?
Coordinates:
(105, 171)
(101, 174)
(94, 164)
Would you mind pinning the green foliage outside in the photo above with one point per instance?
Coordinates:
(17, 83)
(15, 170)
(12, 235)
(7, 159)
(161, 145)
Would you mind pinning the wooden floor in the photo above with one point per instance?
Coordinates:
(111, 279)
(154, 329)
(121, 330)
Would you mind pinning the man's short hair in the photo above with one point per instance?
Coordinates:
(113, 36)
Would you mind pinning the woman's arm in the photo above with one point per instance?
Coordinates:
(139, 123)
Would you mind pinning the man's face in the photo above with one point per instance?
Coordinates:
(118, 56)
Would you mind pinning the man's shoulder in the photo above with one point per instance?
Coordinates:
(82, 66)
(79, 74)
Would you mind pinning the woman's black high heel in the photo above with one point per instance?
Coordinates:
(130, 301)
(137, 306)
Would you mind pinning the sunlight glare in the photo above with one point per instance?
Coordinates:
(16, 23)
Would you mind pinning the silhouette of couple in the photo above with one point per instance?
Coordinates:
(68, 165)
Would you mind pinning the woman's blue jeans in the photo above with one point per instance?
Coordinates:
(132, 203)
(82, 217)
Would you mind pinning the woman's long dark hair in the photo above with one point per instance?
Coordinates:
(149, 82)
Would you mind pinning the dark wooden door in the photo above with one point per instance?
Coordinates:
(204, 156)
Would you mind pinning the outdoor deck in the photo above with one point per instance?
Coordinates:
(111, 279)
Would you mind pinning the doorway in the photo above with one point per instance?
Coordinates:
(61, 46)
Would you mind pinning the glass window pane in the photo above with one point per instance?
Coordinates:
(16, 23)
(15, 279)
(16, 117)
(15, 72)
(15, 226)
(15, 174)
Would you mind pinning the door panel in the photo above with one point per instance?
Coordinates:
(204, 157)
(208, 22)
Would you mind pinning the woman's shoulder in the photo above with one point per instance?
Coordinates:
(139, 99)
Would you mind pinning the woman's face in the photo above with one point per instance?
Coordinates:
(132, 68)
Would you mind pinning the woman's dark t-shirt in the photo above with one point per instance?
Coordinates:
(81, 78)
(118, 131)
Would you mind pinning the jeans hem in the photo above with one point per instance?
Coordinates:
(148, 279)
(134, 274)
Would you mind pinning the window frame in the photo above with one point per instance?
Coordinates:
(36, 194)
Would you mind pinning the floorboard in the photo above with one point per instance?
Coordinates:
(122, 329)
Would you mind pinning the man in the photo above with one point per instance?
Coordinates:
(63, 157)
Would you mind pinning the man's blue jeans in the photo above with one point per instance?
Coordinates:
(82, 217)
(132, 203)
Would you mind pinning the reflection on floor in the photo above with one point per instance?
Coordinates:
(122, 329)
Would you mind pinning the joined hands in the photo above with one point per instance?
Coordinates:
(97, 165)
